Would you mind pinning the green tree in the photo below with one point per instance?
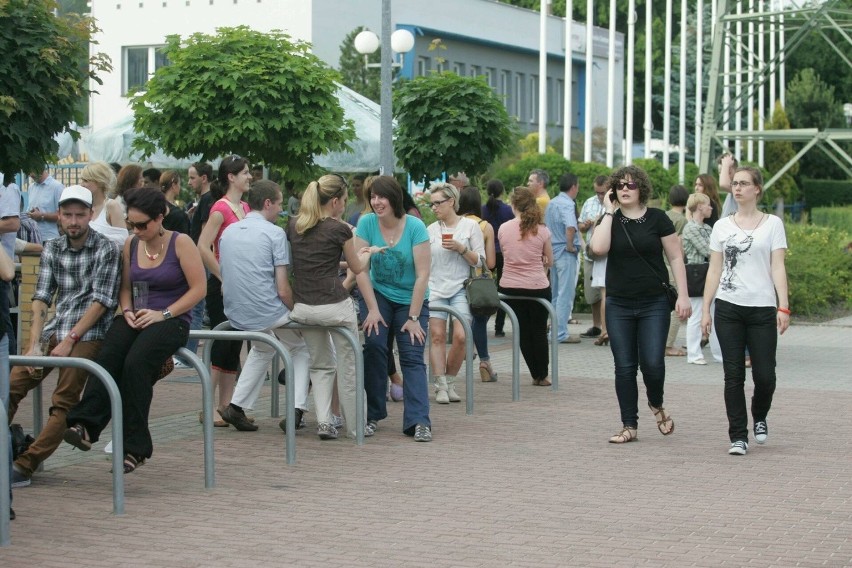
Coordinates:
(261, 95)
(354, 74)
(778, 153)
(41, 80)
(449, 123)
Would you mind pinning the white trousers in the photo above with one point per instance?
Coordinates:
(693, 333)
(258, 362)
(325, 348)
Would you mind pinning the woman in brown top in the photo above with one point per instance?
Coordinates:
(317, 239)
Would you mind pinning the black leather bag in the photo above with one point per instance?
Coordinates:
(696, 275)
(481, 291)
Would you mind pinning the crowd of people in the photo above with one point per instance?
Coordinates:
(130, 272)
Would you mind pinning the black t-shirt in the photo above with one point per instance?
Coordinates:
(200, 216)
(176, 220)
(627, 275)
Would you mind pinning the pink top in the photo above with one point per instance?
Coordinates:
(522, 258)
(223, 206)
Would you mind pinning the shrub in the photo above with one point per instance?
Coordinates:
(819, 270)
(823, 192)
(835, 217)
(517, 173)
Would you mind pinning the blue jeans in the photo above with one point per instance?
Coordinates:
(563, 283)
(415, 387)
(637, 333)
(480, 336)
(741, 328)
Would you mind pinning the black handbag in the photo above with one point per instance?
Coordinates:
(670, 291)
(696, 275)
(481, 292)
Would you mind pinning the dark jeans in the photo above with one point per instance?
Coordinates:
(226, 354)
(415, 388)
(500, 317)
(739, 328)
(637, 331)
(532, 327)
(480, 336)
(134, 359)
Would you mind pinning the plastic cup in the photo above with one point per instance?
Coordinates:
(140, 295)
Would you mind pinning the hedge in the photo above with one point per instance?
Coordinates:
(836, 217)
(823, 192)
(819, 269)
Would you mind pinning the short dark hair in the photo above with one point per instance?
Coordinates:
(678, 196)
(567, 181)
(152, 174)
(601, 180)
(148, 199)
(204, 169)
(387, 187)
(260, 191)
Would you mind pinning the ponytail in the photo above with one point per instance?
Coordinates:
(317, 194)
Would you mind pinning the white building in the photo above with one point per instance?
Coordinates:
(483, 37)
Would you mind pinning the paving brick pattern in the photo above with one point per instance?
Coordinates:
(532, 483)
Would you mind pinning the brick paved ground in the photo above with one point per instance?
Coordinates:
(532, 483)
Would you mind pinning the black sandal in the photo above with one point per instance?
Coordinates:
(131, 462)
(77, 436)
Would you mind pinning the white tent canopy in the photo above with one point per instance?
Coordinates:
(114, 142)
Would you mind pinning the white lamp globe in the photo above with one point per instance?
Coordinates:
(366, 42)
(402, 41)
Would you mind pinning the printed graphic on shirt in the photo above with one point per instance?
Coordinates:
(388, 266)
(735, 246)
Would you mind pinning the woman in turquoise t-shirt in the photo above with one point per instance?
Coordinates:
(394, 297)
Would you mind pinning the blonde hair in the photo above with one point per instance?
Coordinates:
(449, 190)
(316, 196)
(100, 174)
(167, 179)
(694, 201)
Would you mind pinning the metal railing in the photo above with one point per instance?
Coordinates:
(516, 351)
(468, 353)
(115, 406)
(5, 488)
(290, 410)
(554, 341)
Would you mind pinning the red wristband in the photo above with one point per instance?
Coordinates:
(73, 335)
(784, 311)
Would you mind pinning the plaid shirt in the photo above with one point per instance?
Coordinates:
(79, 278)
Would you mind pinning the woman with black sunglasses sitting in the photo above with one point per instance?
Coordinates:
(638, 313)
(162, 279)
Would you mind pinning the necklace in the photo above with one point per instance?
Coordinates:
(152, 256)
(641, 219)
(748, 236)
(391, 235)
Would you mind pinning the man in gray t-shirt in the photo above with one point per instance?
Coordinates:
(253, 259)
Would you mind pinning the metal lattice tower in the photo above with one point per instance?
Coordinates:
(741, 72)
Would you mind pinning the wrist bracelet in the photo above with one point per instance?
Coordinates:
(73, 335)
(784, 311)
(125, 310)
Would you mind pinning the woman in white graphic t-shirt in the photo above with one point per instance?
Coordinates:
(748, 279)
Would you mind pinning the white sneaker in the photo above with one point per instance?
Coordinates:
(761, 432)
(698, 362)
(108, 448)
(739, 448)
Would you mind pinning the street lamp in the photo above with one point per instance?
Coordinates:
(401, 41)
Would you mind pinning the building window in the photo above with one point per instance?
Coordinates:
(558, 101)
(491, 77)
(533, 99)
(458, 69)
(475, 70)
(423, 66)
(140, 63)
(519, 96)
(439, 66)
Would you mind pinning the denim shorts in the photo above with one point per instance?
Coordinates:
(457, 301)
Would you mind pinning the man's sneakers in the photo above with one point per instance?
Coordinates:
(422, 433)
(300, 420)
(739, 448)
(761, 432)
(237, 418)
(19, 478)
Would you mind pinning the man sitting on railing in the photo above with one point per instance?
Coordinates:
(82, 268)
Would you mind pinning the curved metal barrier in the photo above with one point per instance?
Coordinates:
(290, 410)
(468, 357)
(554, 342)
(516, 352)
(115, 406)
(5, 456)
(206, 402)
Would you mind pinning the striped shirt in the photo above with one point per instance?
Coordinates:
(79, 278)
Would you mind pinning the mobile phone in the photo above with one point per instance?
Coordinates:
(613, 197)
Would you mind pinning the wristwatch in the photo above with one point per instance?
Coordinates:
(167, 314)
(413, 318)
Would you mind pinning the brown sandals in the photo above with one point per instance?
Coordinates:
(627, 434)
(665, 424)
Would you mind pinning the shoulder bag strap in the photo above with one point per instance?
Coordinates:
(648, 264)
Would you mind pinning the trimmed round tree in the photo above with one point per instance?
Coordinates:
(448, 123)
(261, 95)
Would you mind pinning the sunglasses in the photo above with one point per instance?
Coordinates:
(141, 226)
(631, 185)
